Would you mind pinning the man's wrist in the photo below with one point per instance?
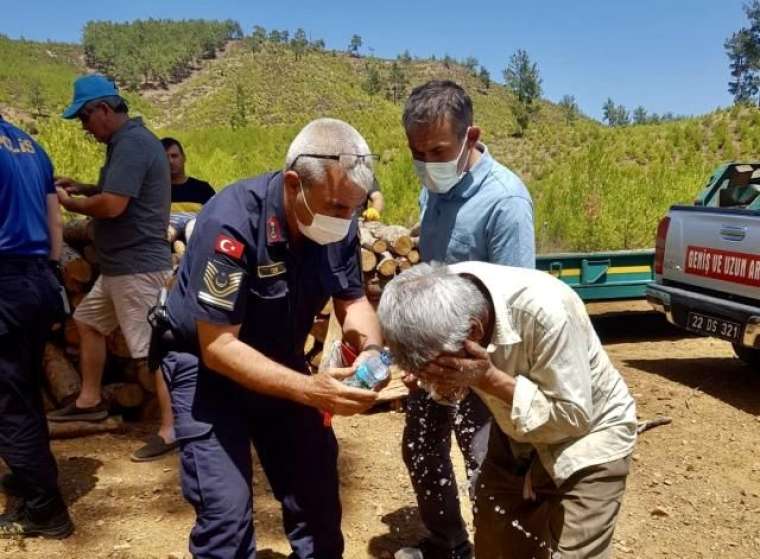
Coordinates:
(304, 393)
(499, 384)
(490, 379)
(70, 203)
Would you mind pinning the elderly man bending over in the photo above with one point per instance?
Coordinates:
(565, 423)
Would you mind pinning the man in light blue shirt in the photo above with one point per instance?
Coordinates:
(472, 208)
(487, 216)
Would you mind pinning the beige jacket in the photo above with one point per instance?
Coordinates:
(570, 402)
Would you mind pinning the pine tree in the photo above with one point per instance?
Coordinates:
(258, 38)
(742, 51)
(471, 63)
(569, 108)
(640, 115)
(621, 115)
(522, 78)
(355, 45)
(609, 112)
(485, 77)
(239, 117)
(373, 84)
(37, 98)
(298, 43)
(397, 83)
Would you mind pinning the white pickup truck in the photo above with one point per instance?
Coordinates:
(707, 261)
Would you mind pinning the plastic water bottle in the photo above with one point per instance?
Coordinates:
(371, 372)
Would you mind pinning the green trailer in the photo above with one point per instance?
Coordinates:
(602, 276)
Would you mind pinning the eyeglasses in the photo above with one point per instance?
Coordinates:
(346, 160)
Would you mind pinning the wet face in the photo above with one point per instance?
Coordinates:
(176, 161)
(439, 141)
(477, 333)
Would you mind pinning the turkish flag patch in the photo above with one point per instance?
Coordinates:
(229, 246)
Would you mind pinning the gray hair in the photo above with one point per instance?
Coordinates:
(436, 100)
(329, 136)
(426, 311)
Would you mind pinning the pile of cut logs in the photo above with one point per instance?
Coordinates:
(129, 386)
(386, 251)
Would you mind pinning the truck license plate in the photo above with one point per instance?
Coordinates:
(718, 327)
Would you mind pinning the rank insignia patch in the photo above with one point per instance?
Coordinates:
(221, 284)
(274, 234)
(272, 270)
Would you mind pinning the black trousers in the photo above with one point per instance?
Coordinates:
(29, 303)
(216, 421)
(427, 454)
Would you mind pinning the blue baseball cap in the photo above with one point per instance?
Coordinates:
(88, 88)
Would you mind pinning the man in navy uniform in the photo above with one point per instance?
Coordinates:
(266, 255)
(30, 246)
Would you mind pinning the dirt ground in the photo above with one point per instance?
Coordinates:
(694, 491)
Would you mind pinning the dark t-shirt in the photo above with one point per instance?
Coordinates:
(135, 241)
(191, 195)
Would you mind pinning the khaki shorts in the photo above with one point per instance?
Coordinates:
(123, 301)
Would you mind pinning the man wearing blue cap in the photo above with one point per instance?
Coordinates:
(130, 209)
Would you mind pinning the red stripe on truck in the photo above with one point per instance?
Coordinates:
(736, 267)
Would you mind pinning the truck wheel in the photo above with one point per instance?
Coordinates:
(750, 356)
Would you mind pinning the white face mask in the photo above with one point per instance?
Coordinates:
(440, 176)
(323, 229)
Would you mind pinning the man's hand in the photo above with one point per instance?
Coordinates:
(327, 392)
(64, 198)
(70, 185)
(453, 371)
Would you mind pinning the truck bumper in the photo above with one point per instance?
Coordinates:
(676, 304)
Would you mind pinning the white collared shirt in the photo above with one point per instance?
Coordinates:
(570, 403)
